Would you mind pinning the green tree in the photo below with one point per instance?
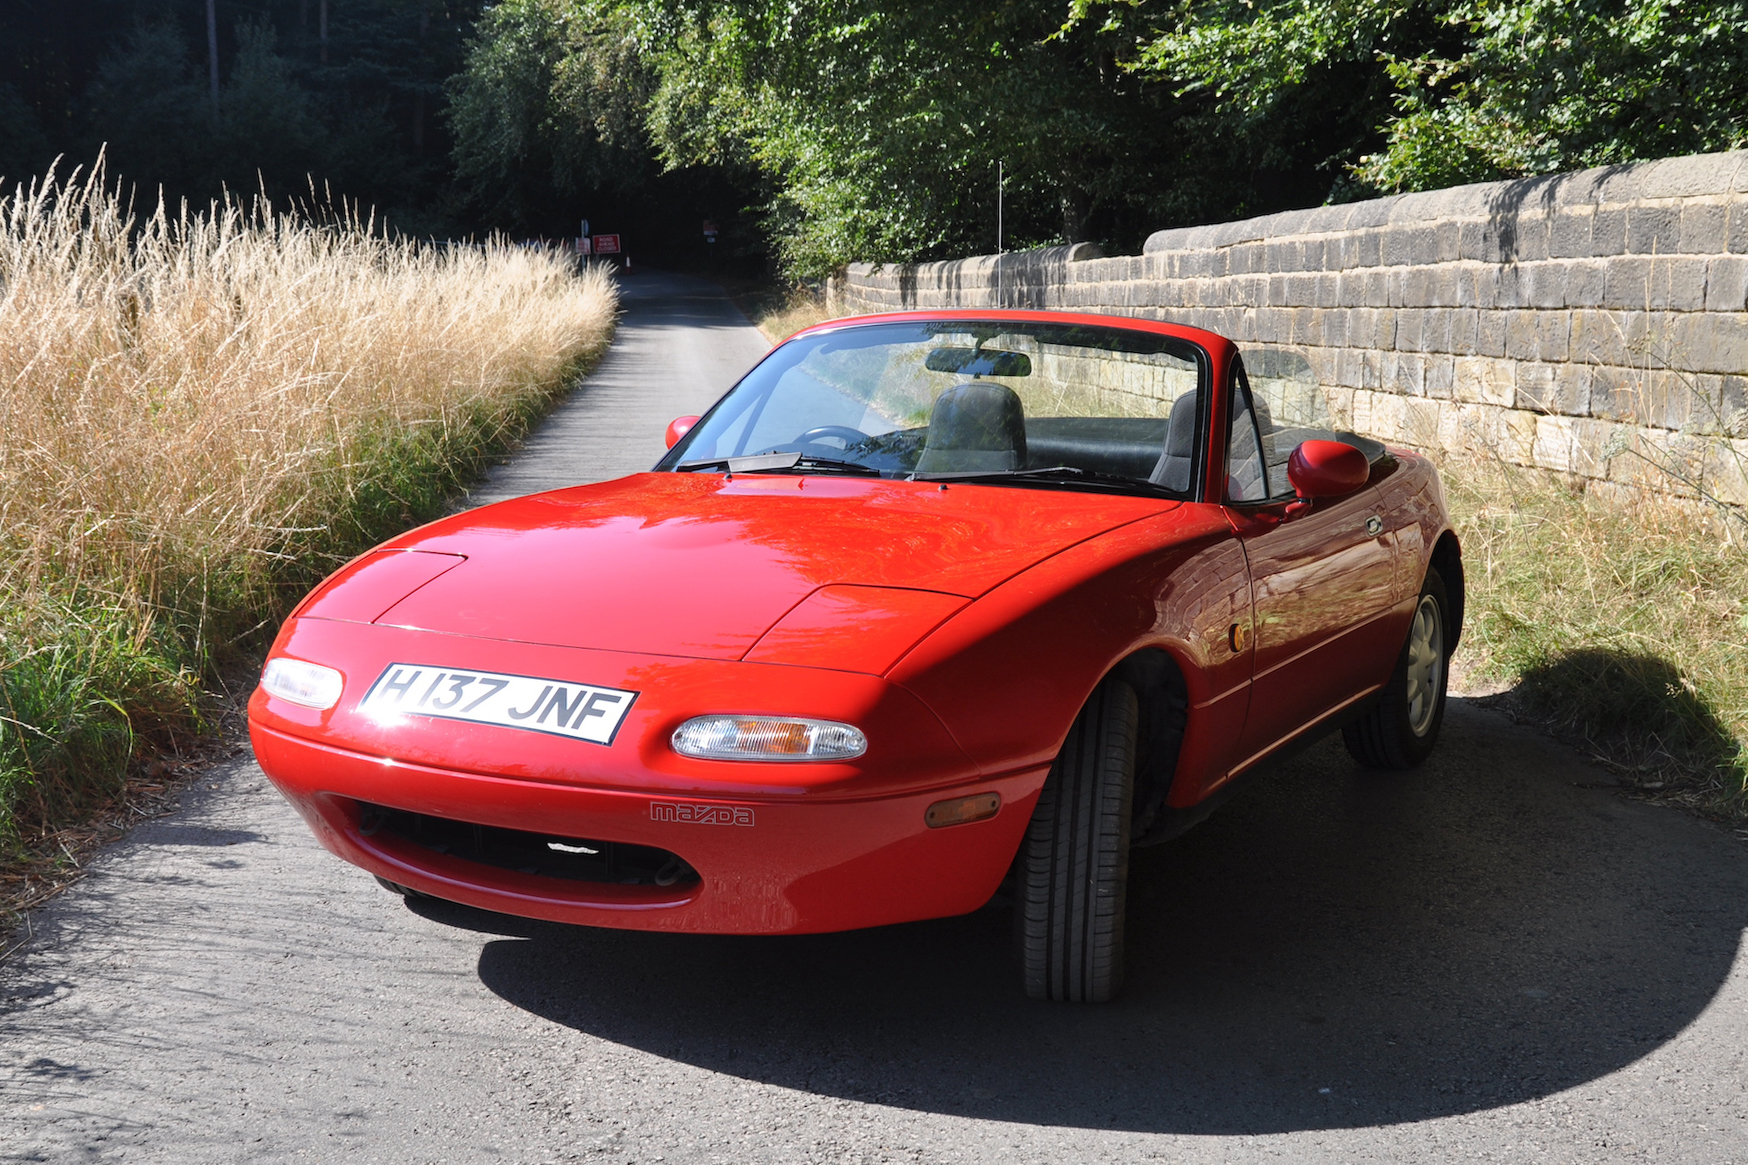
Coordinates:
(549, 105)
(1477, 89)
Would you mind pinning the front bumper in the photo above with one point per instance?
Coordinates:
(785, 865)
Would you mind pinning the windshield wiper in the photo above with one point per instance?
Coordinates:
(780, 463)
(1058, 475)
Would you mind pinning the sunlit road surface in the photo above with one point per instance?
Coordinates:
(1496, 958)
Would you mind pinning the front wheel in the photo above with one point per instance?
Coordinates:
(1399, 730)
(1074, 862)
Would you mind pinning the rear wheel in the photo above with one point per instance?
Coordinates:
(1074, 862)
(1401, 727)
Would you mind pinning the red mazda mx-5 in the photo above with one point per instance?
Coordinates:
(925, 603)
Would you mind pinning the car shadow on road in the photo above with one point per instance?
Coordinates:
(1333, 949)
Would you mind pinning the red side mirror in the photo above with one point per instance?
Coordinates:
(1327, 469)
(679, 427)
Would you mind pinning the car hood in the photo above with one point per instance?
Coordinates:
(704, 565)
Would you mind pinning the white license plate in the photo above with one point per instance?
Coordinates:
(558, 707)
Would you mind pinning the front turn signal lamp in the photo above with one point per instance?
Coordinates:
(767, 738)
(309, 684)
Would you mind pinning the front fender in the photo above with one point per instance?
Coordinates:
(1008, 674)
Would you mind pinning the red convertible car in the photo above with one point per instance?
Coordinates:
(926, 603)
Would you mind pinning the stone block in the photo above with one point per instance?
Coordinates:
(1490, 332)
(1410, 323)
(1435, 329)
(1553, 444)
(1544, 284)
(1399, 293)
(1604, 337)
(1507, 288)
(1519, 436)
(1725, 472)
(1521, 338)
(1594, 444)
(1420, 423)
(1569, 233)
(1465, 324)
(1459, 430)
(1313, 255)
(1530, 238)
(1475, 242)
(1384, 328)
(1356, 368)
(1465, 279)
(1727, 283)
(1440, 375)
(1708, 342)
(1586, 282)
(1301, 289)
(1553, 335)
(1333, 327)
(1398, 246)
(1378, 287)
(1608, 232)
(1629, 282)
(1328, 289)
(1450, 241)
(1482, 380)
(1703, 228)
(1423, 245)
(1653, 230)
(1405, 373)
(1340, 402)
(1736, 228)
(1417, 285)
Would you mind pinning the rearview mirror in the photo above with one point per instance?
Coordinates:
(1327, 469)
(978, 362)
(679, 427)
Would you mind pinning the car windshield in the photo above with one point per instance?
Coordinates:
(1004, 401)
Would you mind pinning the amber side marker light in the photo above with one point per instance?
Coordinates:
(962, 809)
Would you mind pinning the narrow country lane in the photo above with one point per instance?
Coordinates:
(1496, 957)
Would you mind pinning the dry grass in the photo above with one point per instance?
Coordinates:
(200, 414)
(1622, 624)
(778, 310)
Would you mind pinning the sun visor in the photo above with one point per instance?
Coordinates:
(363, 590)
(854, 628)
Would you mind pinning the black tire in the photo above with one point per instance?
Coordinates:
(406, 892)
(1074, 861)
(1401, 727)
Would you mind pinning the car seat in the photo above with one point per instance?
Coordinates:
(1178, 462)
(974, 428)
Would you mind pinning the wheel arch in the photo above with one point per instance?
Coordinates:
(1447, 559)
(1157, 676)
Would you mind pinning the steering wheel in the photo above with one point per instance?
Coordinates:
(843, 433)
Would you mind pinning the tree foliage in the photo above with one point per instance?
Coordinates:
(1481, 89)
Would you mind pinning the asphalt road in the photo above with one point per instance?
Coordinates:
(1494, 958)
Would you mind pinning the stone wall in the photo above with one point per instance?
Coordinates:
(1594, 323)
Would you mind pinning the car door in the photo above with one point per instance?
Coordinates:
(1321, 582)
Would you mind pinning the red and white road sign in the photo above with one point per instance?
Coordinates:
(606, 244)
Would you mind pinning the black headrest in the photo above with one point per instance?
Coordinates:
(975, 427)
(1179, 460)
(1180, 438)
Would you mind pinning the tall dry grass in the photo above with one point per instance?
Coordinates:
(200, 414)
(1620, 620)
